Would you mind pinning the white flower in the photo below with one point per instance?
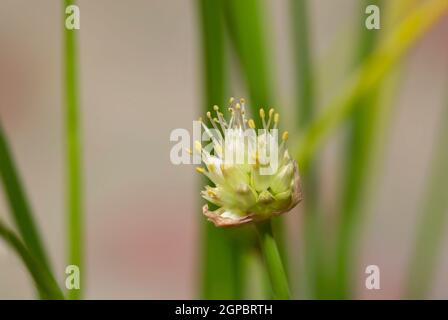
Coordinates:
(253, 178)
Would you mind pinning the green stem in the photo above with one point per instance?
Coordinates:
(73, 156)
(44, 281)
(222, 274)
(246, 24)
(273, 262)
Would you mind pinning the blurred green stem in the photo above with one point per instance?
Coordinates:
(43, 279)
(431, 228)
(73, 157)
(273, 261)
(305, 112)
(245, 23)
(304, 64)
(357, 163)
(222, 273)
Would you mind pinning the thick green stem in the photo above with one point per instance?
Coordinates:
(273, 262)
(43, 279)
(73, 156)
(222, 271)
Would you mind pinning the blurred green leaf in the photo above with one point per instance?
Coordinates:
(18, 203)
(43, 279)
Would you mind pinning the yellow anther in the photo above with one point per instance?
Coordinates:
(215, 107)
(232, 99)
(256, 158)
(222, 167)
(271, 112)
(242, 101)
(211, 167)
(216, 120)
(200, 119)
(285, 136)
(276, 117)
(209, 115)
(251, 123)
(189, 151)
(200, 169)
(262, 114)
(238, 106)
(211, 193)
(198, 146)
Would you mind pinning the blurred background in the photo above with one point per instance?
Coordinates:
(140, 78)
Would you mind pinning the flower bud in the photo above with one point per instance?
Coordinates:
(264, 182)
